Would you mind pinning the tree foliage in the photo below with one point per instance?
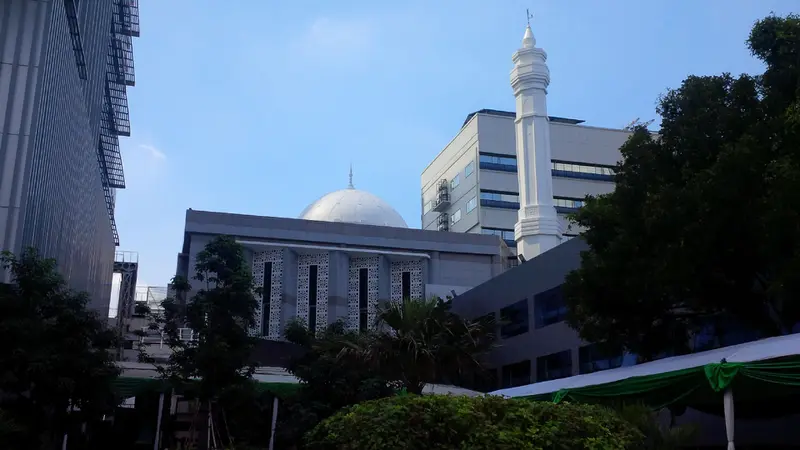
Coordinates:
(423, 341)
(658, 433)
(704, 224)
(415, 342)
(331, 378)
(220, 315)
(54, 353)
(411, 422)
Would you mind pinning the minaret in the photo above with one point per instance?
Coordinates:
(537, 229)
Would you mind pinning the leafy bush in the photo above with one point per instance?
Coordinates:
(412, 422)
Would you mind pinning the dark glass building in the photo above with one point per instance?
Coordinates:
(64, 69)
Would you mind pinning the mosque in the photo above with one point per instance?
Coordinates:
(346, 252)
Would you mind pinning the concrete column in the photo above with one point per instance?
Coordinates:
(338, 274)
(384, 280)
(433, 269)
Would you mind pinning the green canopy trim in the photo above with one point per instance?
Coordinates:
(697, 386)
(126, 387)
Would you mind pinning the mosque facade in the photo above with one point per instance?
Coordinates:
(346, 253)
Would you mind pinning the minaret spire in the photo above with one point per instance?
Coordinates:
(350, 185)
(538, 228)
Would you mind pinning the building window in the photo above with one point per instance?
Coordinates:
(549, 307)
(266, 296)
(514, 319)
(455, 217)
(504, 234)
(499, 199)
(427, 207)
(566, 205)
(312, 297)
(455, 182)
(554, 366)
(363, 292)
(472, 204)
(469, 169)
(592, 358)
(584, 171)
(504, 163)
(517, 374)
(405, 286)
(718, 331)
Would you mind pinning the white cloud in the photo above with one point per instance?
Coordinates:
(153, 152)
(337, 41)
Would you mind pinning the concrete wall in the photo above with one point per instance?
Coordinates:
(445, 261)
(523, 283)
(281, 229)
(51, 196)
(451, 162)
(568, 142)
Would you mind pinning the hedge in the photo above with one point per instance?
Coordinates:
(437, 422)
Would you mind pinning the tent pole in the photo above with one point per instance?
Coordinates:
(274, 423)
(158, 421)
(727, 400)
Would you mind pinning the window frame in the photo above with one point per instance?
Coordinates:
(472, 204)
(509, 329)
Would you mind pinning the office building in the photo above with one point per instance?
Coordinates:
(64, 69)
(347, 252)
(488, 180)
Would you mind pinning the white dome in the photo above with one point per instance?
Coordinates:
(353, 206)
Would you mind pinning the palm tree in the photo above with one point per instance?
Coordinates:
(422, 341)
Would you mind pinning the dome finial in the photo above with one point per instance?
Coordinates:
(528, 41)
(350, 185)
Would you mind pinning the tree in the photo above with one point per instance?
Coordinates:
(55, 354)
(481, 423)
(658, 433)
(332, 378)
(702, 228)
(217, 356)
(423, 341)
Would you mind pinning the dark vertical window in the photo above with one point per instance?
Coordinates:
(553, 366)
(312, 297)
(514, 319)
(517, 374)
(363, 296)
(549, 307)
(266, 297)
(406, 285)
(593, 358)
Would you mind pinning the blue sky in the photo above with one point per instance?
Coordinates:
(259, 106)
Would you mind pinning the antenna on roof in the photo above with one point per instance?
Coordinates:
(350, 185)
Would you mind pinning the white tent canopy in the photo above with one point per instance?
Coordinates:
(761, 350)
(770, 348)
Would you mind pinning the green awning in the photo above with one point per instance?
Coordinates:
(759, 372)
(126, 387)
